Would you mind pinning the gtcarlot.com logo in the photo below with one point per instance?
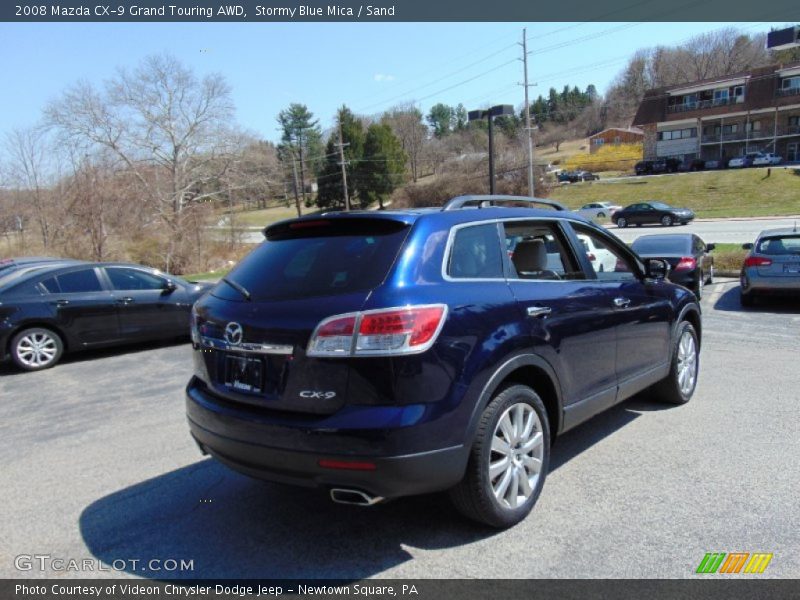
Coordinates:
(733, 563)
(47, 562)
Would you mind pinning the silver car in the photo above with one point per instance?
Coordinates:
(598, 210)
(772, 266)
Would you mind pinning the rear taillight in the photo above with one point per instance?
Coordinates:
(757, 261)
(591, 257)
(686, 263)
(385, 332)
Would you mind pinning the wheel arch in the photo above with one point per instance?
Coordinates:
(526, 369)
(691, 313)
(38, 323)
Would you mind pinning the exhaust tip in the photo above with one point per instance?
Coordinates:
(354, 497)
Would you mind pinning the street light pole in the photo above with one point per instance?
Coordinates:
(496, 111)
(491, 156)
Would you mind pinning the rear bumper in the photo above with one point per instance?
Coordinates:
(789, 285)
(290, 453)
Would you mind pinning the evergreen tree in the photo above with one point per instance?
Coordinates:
(383, 165)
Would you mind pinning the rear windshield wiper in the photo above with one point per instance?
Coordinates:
(238, 287)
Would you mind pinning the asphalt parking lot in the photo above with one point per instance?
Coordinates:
(98, 464)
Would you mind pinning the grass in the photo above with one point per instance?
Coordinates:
(207, 275)
(728, 258)
(727, 193)
(263, 217)
(547, 154)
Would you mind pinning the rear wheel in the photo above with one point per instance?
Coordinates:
(508, 461)
(666, 221)
(36, 348)
(622, 222)
(711, 275)
(679, 385)
(601, 215)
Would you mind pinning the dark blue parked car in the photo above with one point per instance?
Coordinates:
(384, 354)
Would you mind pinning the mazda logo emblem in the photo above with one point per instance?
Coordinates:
(233, 333)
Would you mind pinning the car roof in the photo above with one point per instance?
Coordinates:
(779, 231)
(449, 217)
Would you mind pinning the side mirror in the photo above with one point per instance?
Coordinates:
(656, 268)
(169, 286)
(747, 246)
(710, 247)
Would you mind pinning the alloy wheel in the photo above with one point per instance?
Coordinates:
(516, 457)
(37, 349)
(687, 363)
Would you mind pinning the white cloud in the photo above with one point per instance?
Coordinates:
(380, 77)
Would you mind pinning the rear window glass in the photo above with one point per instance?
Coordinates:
(779, 245)
(645, 245)
(318, 258)
(73, 283)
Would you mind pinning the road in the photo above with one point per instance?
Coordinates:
(98, 464)
(735, 231)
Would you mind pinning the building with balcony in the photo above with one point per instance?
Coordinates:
(720, 118)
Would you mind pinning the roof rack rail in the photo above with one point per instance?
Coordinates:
(491, 200)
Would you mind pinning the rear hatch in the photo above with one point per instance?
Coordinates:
(782, 253)
(255, 325)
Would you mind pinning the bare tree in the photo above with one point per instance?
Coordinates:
(406, 123)
(165, 127)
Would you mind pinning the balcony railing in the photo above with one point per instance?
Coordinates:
(703, 104)
(792, 91)
(741, 136)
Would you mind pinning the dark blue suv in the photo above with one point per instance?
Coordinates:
(384, 354)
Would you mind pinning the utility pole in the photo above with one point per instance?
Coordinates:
(528, 129)
(343, 163)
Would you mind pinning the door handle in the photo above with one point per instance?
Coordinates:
(621, 302)
(62, 302)
(539, 311)
(125, 300)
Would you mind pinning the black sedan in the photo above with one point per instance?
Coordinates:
(49, 308)
(655, 213)
(691, 264)
(577, 176)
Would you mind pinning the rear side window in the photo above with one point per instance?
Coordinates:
(318, 258)
(476, 253)
(75, 282)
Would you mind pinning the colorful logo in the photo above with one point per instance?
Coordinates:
(734, 562)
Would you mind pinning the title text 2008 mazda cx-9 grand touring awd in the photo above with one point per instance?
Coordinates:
(384, 354)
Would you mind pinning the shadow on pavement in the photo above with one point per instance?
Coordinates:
(730, 301)
(235, 527)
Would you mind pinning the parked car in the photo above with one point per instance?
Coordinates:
(772, 267)
(714, 164)
(740, 162)
(576, 176)
(689, 257)
(661, 165)
(49, 309)
(643, 213)
(695, 164)
(602, 259)
(766, 160)
(598, 210)
(380, 355)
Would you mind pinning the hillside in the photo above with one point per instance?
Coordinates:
(728, 193)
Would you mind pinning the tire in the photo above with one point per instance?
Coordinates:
(700, 283)
(36, 348)
(666, 221)
(679, 385)
(601, 215)
(484, 493)
(711, 275)
(622, 222)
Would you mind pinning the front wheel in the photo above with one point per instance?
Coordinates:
(679, 385)
(711, 275)
(36, 348)
(508, 461)
(666, 221)
(622, 222)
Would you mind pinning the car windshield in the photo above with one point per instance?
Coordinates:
(661, 206)
(779, 244)
(661, 245)
(317, 258)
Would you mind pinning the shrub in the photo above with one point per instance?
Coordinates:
(621, 157)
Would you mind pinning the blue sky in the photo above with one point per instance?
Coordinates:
(368, 66)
